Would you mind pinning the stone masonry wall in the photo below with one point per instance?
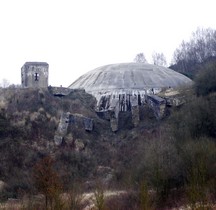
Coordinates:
(35, 75)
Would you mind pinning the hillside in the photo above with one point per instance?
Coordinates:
(29, 119)
(160, 163)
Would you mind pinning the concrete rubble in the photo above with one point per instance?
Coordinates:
(75, 120)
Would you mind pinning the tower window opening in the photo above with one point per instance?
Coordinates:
(36, 76)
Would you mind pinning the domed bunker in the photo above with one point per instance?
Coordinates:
(126, 86)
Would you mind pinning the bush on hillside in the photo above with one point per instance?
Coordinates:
(205, 82)
(195, 119)
(198, 169)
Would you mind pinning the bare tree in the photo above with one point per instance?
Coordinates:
(140, 58)
(159, 59)
(5, 83)
(47, 181)
(201, 46)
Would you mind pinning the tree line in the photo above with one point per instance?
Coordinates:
(189, 54)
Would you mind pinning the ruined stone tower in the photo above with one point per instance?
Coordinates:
(35, 74)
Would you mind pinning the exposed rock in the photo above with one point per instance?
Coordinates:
(79, 145)
(2, 185)
(105, 174)
(88, 123)
(158, 105)
(175, 101)
(69, 140)
(3, 103)
(41, 96)
(58, 140)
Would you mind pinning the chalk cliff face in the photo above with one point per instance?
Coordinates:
(129, 77)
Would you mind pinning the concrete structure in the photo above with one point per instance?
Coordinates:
(68, 120)
(158, 105)
(131, 78)
(35, 75)
(126, 86)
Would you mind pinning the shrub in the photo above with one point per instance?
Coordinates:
(48, 182)
(99, 198)
(198, 168)
(195, 119)
(205, 82)
(75, 198)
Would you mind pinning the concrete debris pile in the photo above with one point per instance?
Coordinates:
(109, 106)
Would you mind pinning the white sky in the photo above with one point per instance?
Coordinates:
(75, 36)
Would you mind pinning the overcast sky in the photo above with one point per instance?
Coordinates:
(75, 36)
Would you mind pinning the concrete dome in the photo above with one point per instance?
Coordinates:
(125, 87)
(129, 77)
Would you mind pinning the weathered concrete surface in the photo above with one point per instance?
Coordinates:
(88, 123)
(135, 110)
(75, 120)
(62, 128)
(135, 115)
(124, 87)
(35, 75)
(157, 104)
(129, 77)
(62, 91)
(113, 122)
(114, 109)
(173, 97)
(78, 120)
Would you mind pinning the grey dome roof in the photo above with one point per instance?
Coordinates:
(133, 76)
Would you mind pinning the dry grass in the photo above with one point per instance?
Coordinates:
(114, 200)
